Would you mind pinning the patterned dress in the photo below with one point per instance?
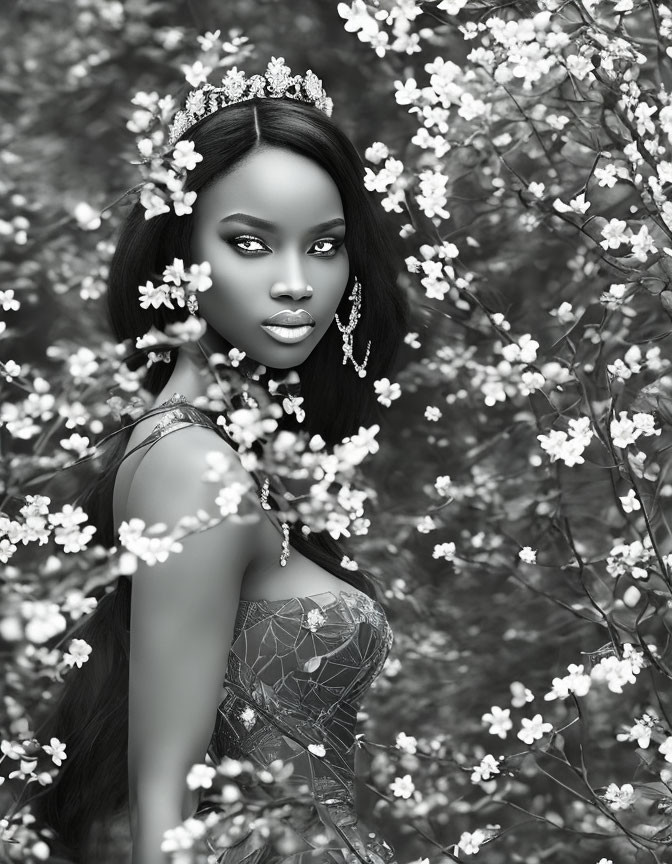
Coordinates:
(297, 672)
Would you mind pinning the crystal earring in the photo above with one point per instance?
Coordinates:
(348, 329)
(192, 304)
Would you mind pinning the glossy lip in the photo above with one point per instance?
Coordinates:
(288, 334)
(290, 318)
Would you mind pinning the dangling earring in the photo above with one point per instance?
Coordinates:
(348, 329)
(192, 304)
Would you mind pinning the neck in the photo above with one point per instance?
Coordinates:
(190, 377)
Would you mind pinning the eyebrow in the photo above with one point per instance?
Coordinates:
(264, 224)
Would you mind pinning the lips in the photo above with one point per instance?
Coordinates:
(288, 318)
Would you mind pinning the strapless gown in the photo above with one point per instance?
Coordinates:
(297, 672)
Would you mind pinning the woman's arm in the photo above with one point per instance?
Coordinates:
(182, 617)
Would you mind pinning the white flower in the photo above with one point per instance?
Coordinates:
(534, 729)
(77, 653)
(640, 732)
(445, 551)
(433, 413)
(229, 498)
(376, 152)
(488, 767)
(614, 234)
(55, 749)
(520, 694)
(442, 485)
(196, 74)
(577, 682)
(407, 743)
(528, 555)
(349, 564)
(8, 302)
(470, 842)
(185, 157)
(318, 750)
(155, 296)
(386, 391)
(630, 502)
(402, 787)
(619, 798)
(200, 777)
(666, 749)
(499, 720)
(199, 276)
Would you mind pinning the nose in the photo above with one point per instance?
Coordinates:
(294, 283)
(296, 291)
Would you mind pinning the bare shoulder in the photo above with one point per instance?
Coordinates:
(182, 473)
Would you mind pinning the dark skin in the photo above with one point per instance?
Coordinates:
(183, 611)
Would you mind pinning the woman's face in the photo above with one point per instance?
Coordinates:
(272, 229)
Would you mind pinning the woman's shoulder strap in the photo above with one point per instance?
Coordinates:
(175, 413)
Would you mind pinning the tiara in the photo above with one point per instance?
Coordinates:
(277, 82)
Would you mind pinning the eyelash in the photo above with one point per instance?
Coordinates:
(235, 241)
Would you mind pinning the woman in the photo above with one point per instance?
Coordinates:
(295, 275)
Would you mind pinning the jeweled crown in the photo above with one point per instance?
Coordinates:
(277, 82)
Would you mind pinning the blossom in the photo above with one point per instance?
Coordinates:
(229, 498)
(666, 749)
(185, 156)
(445, 551)
(614, 233)
(376, 152)
(318, 750)
(77, 653)
(630, 502)
(617, 672)
(487, 768)
(470, 842)
(7, 300)
(499, 720)
(199, 276)
(619, 798)
(155, 295)
(442, 485)
(528, 555)
(577, 682)
(640, 732)
(386, 391)
(55, 749)
(407, 743)
(534, 729)
(196, 74)
(402, 787)
(433, 413)
(520, 694)
(200, 777)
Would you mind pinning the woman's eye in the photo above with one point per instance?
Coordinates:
(249, 244)
(326, 247)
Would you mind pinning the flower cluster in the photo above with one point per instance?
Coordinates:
(178, 284)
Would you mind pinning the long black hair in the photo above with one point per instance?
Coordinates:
(92, 714)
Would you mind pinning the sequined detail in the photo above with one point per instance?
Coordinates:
(305, 685)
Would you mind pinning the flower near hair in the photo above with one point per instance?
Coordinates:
(177, 285)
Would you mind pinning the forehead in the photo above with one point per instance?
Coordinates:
(275, 184)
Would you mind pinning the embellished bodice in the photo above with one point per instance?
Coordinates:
(298, 670)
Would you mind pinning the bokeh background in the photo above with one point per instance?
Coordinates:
(527, 318)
